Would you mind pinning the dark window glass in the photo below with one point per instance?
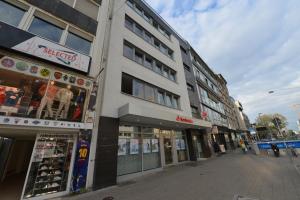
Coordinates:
(155, 24)
(147, 17)
(158, 68)
(138, 57)
(182, 50)
(78, 43)
(186, 67)
(170, 53)
(173, 76)
(130, 3)
(10, 14)
(127, 84)
(45, 29)
(156, 43)
(139, 10)
(148, 62)
(129, 23)
(138, 30)
(138, 89)
(148, 37)
(164, 49)
(128, 51)
(166, 72)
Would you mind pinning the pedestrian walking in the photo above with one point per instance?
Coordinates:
(243, 146)
(275, 150)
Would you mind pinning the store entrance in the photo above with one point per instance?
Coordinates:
(15, 154)
(168, 151)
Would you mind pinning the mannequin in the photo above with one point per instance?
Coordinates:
(47, 99)
(65, 95)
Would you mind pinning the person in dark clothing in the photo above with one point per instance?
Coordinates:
(216, 147)
(275, 150)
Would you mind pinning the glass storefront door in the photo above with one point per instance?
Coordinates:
(181, 146)
(5, 146)
(197, 146)
(168, 150)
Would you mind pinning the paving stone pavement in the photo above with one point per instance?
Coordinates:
(231, 176)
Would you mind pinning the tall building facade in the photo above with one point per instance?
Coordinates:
(146, 122)
(50, 55)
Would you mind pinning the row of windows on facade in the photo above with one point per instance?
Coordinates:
(148, 61)
(202, 77)
(215, 117)
(146, 91)
(215, 105)
(148, 37)
(87, 7)
(13, 15)
(148, 18)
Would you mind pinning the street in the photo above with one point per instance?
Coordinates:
(219, 178)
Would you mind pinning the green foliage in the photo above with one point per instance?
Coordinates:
(273, 122)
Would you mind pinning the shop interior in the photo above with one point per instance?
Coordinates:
(15, 154)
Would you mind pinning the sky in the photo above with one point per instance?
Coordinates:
(254, 44)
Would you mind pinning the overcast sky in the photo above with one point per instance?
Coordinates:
(255, 44)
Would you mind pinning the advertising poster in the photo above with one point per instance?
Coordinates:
(178, 144)
(147, 145)
(122, 147)
(182, 144)
(154, 145)
(81, 161)
(134, 146)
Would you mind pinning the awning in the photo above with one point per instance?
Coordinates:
(159, 118)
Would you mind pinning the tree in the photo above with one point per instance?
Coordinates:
(274, 123)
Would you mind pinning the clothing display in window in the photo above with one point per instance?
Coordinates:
(47, 101)
(2, 95)
(65, 95)
(12, 96)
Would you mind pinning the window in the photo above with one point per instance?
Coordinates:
(138, 89)
(147, 17)
(175, 103)
(78, 43)
(170, 53)
(148, 62)
(168, 100)
(187, 68)
(128, 23)
(139, 10)
(194, 111)
(127, 82)
(166, 72)
(158, 67)
(148, 37)
(190, 87)
(10, 14)
(173, 76)
(138, 57)
(138, 30)
(149, 93)
(183, 50)
(130, 3)
(156, 43)
(45, 29)
(88, 8)
(128, 51)
(161, 99)
(164, 49)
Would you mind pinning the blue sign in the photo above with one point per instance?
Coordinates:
(279, 144)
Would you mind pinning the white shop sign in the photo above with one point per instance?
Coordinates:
(20, 121)
(56, 53)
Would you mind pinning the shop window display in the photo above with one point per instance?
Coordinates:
(32, 91)
(49, 172)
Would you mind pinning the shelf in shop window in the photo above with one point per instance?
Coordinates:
(40, 182)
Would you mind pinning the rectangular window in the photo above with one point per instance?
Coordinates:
(166, 72)
(173, 76)
(78, 43)
(10, 14)
(138, 57)
(148, 37)
(138, 30)
(130, 3)
(164, 49)
(169, 100)
(160, 97)
(149, 93)
(170, 53)
(128, 51)
(45, 29)
(128, 23)
(183, 50)
(194, 111)
(175, 102)
(158, 67)
(127, 83)
(187, 68)
(156, 43)
(138, 89)
(88, 8)
(148, 62)
(138, 9)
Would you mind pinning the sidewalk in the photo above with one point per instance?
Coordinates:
(220, 178)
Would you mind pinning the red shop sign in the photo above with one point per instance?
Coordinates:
(184, 119)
